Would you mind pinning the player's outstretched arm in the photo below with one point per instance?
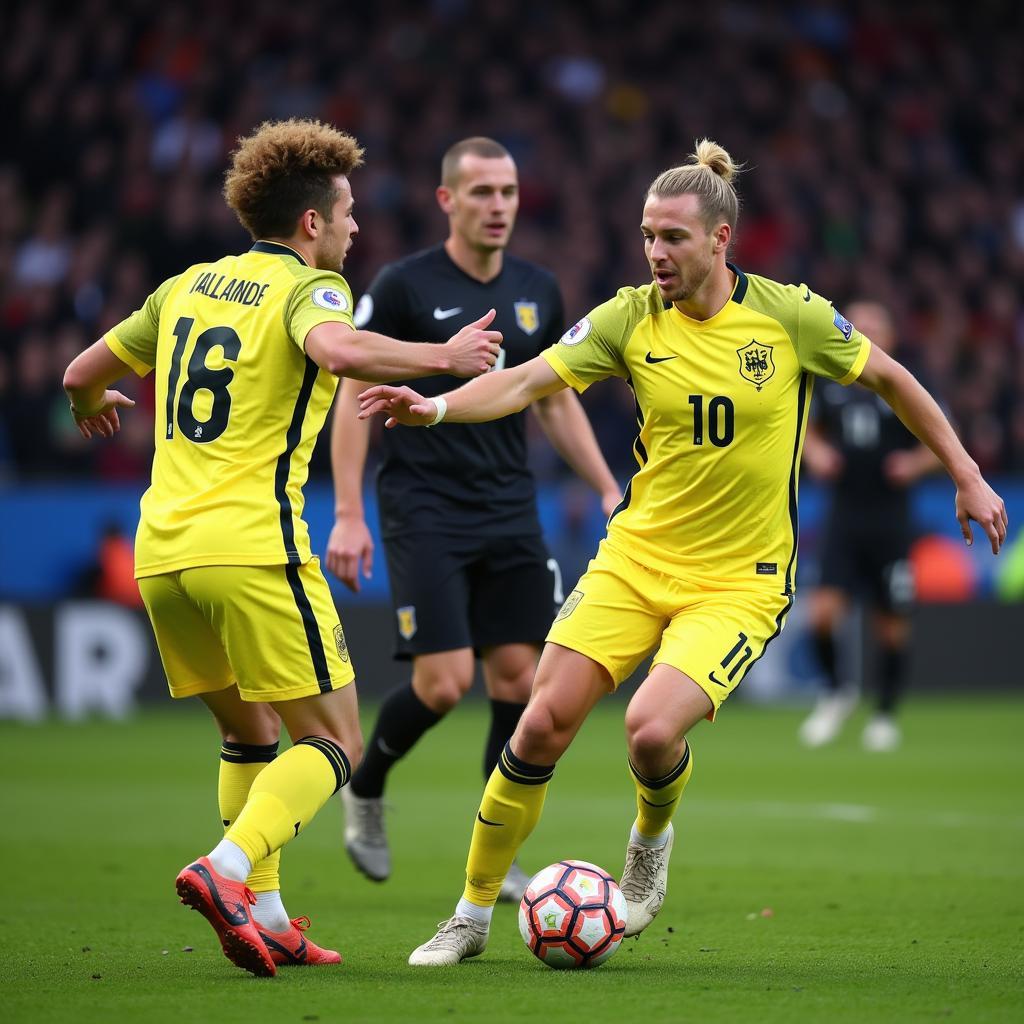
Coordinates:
(350, 546)
(487, 398)
(86, 381)
(365, 355)
(922, 416)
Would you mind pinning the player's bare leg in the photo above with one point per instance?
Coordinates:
(508, 677)
(827, 607)
(665, 707)
(567, 686)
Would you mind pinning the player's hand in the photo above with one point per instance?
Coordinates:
(901, 468)
(610, 501)
(400, 405)
(104, 419)
(474, 350)
(349, 549)
(976, 500)
(823, 461)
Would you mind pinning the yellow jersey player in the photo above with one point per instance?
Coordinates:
(246, 353)
(699, 560)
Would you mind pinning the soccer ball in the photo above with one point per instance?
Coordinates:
(573, 914)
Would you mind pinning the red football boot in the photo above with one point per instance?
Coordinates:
(225, 904)
(293, 949)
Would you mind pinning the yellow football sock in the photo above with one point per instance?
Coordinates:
(511, 805)
(657, 799)
(286, 795)
(240, 763)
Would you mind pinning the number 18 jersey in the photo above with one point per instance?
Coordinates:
(721, 407)
(239, 406)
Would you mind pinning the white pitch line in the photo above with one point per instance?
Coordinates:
(857, 814)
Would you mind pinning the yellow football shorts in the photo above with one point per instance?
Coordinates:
(621, 611)
(271, 629)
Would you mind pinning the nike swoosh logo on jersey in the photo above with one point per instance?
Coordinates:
(657, 359)
(444, 314)
(717, 682)
(807, 295)
(496, 824)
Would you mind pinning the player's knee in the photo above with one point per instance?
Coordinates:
(539, 738)
(515, 688)
(442, 691)
(648, 739)
(256, 724)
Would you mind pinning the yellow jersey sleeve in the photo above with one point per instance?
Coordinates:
(318, 298)
(133, 340)
(594, 348)
(826, 343)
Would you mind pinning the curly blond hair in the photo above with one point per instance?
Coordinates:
(285, 168)
(709, 175)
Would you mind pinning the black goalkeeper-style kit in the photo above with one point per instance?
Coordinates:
(458, 508)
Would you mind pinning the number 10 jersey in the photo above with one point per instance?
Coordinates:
(239, 406)
(721, 408)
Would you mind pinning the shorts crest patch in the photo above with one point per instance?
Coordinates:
(407, 621)
(570, 605)
(527, 316)
(577, 332)
(330, 298)
(339, 642)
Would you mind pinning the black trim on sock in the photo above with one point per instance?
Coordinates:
(665, 780)
(247, 753)
(334, 754)
(505, 717)
(516, 770)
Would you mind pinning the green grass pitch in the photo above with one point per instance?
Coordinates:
(825, 886)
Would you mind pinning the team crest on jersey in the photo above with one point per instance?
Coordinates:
(756, 363)
(339, 642)
(527, 316)
(577, 332)
(330, 298)
(407, 621)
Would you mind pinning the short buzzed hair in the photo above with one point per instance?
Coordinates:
(478, 145)
(285, 168)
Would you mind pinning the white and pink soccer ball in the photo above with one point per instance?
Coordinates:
(573, 914)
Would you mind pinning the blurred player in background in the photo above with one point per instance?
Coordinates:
(247, 351)
(698, 563)
(856, 443)
(469, 571)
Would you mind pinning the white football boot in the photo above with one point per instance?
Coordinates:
(457, 939)
(644, 883)
(514, 886)
(826, 721)
(365, 838)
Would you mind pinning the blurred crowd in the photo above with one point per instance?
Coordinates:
(883, 144)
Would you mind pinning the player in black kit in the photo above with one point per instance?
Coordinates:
(470, 574)
(856, 442)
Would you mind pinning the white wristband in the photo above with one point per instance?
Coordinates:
(442, 408)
